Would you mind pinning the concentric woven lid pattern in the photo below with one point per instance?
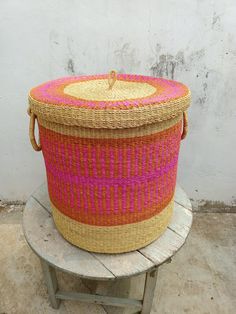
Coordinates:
(91, 101)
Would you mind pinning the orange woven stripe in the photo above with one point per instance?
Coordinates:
(111, 181)
(113, 218)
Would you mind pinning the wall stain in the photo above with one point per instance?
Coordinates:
(196, 56)
(69, 42)
(70, 67)
(202, 99)
(54, 38)
(166, 64)
(215, 21)
(126, 58)
(215, 207)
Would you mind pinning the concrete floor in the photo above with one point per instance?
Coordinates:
(200, 279)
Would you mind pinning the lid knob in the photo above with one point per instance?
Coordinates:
(112, 77)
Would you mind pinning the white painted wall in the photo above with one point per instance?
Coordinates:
(190, 41)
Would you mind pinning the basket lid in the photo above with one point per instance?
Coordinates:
(109, 101)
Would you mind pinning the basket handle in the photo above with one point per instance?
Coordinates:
(185, 125)
(34, 144)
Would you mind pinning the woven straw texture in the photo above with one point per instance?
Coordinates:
(87, 101)
(111, 154)
(115, 239)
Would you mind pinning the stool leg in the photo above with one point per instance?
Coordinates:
(150, 284)
(51, 283)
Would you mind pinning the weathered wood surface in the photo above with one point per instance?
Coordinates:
(150, 284)
(51, 282)
(182, 198)
(43, 237)
(99, 299)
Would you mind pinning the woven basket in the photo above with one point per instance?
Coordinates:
(110, 145)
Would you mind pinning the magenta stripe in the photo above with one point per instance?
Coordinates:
(99, 198)
(108, 208)
(120, 162)
(66, 176)
(92, 197)
(124, 199)
(116, 208)
(85, 161)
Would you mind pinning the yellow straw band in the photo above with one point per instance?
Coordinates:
(110, 118)
(107, 133)
(112, 239)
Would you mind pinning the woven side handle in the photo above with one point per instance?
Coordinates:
(34, 144)
(185, 125)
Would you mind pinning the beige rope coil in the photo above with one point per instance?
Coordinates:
(33, 117)
(185, 125)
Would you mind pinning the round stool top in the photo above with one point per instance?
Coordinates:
(44, 239)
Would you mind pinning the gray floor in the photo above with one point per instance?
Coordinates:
(200, 279)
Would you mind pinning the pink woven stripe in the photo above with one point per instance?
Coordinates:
(66, 176)
(135, 190)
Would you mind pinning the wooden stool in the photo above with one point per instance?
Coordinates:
(55, 252)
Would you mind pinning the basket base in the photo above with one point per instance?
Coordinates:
(113, 239)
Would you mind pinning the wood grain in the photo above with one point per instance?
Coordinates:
(43, 237)
(182, 198)
(47, 243)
